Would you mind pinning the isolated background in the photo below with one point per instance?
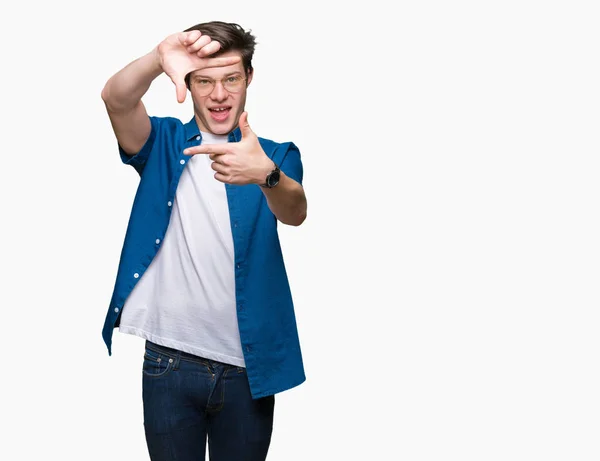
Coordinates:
(445, 281)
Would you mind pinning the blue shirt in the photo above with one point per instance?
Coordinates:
(265, 310)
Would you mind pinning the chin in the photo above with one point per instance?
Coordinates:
(220, 130)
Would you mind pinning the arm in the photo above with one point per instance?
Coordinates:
(122, 97)
(245, 162)
(286, 200)
(177, 55)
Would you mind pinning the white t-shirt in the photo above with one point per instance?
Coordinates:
(186, 298)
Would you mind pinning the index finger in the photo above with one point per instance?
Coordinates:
(207, 149)
(222, 61)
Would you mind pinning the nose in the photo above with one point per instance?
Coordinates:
(219, 93)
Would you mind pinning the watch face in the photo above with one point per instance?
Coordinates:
(273, 179)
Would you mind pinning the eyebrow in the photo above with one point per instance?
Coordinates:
(211, 78)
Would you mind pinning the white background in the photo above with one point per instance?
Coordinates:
(445, 281)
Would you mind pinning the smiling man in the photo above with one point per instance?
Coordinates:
(201, 276)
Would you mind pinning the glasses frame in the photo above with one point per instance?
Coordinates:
(214, 85)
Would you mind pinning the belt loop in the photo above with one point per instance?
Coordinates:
(177, 359)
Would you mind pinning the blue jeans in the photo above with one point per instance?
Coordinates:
(189, 399)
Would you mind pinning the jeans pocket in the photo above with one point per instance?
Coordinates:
(156, 364)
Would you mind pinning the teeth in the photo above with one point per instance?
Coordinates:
(220, 109)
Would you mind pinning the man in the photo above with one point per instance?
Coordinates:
(201, 276)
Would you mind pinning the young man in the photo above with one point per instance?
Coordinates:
(201, 276)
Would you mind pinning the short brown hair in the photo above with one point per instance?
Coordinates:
(232, 37)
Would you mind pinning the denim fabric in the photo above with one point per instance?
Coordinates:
(189, 400)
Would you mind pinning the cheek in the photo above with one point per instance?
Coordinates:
(240, 100)
(199, 101)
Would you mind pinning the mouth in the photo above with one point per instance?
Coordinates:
(219, 113)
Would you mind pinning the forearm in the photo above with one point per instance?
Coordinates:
(124, 90)
(287, 201)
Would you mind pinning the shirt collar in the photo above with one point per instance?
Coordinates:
(192, 130)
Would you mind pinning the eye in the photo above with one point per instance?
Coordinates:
(233, 79)
(203, 82)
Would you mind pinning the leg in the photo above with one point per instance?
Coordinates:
(239, 428)
(174, 416)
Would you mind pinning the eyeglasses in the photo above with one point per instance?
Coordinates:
(233, 84)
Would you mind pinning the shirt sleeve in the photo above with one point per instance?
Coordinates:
(138, 161)
(290, 162)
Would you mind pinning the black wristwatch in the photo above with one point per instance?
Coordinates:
(272, 178)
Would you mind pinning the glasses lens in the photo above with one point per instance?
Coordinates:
(233, 84)
(205, 87)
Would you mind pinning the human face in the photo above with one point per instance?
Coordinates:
(219, 112)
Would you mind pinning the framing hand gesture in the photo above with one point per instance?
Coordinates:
(243, 162)
(184, 52)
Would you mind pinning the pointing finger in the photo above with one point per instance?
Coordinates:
(207, 149)
(222, 61)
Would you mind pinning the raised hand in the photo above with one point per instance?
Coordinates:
(243, 162)
(184, 52)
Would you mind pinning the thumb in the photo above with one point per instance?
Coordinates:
(180, 88)
(245, 126)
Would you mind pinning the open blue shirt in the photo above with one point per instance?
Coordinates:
(265, 310)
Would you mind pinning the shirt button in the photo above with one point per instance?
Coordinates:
(238, 266)
(116, 309)
(182, 161)
(136, 275)
(235, 224)
(157, 241)
(248, 348)
(169, 203)
(197, 138)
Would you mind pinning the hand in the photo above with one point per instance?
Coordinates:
(243, 162)
(184, 52)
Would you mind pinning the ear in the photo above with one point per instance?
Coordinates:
(249, 77)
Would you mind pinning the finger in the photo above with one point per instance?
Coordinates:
(180, 88)
(187, 38)
(221, 177)
(218, 167)
(202, 41)
(209, 48)
(222, 61)
(245, 126)
(207, 149)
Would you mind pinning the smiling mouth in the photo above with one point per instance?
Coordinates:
(219, 114)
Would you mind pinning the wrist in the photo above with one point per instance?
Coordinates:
(155, 61)
(270, 176)
(263, 171)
